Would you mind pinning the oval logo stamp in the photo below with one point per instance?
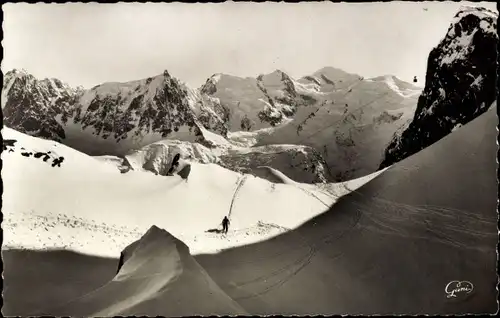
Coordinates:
(458, 289)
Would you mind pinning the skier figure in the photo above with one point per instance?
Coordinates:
(225, 225)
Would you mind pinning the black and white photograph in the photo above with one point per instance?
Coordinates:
(249, 159)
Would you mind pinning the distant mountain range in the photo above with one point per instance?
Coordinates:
(349, 126)
(246, 122)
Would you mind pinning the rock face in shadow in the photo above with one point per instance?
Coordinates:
(185, 171)
(391, 247)
(158, 277)
(31, 106)
(460, 83)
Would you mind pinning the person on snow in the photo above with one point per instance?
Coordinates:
(225, 225)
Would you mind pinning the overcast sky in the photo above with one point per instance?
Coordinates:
(87, 44)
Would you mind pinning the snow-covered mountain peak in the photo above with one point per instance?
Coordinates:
(478, 11)
(277, 78)
(386, 78)
(147, 87)
(390, 80)
(216, 77)
(210, 86)
(397, 85)
(277, 73)
(468, 26)
(330, 78)
(22, 79)
(10, 77)
(332, 71)
(16, 72)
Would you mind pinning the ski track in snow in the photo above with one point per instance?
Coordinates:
(314, 196)
(241, 181)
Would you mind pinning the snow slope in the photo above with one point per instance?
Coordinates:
(87, 205)
(390, 247)
(374, 251)
(156, 280)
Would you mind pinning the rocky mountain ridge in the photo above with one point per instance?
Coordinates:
(111, 118)
(460, 83)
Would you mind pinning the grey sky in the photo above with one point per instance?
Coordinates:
(87, 44)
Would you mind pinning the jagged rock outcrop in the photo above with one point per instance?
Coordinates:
(185, 171)
(460, 83)
(9, 145)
